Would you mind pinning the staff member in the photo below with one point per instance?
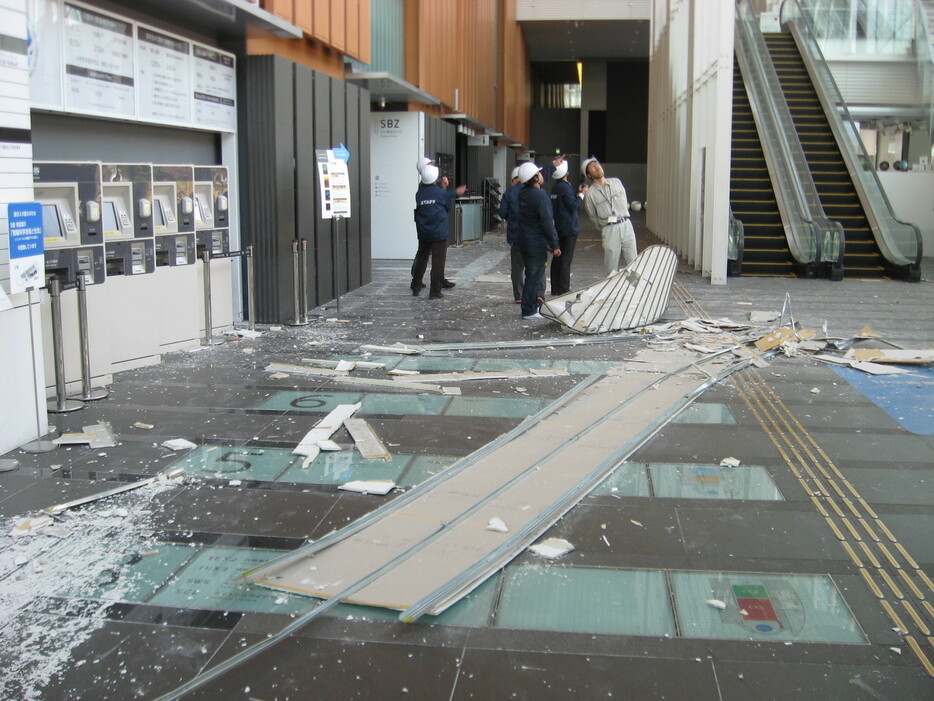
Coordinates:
(433, 201)
(565, 203)
(606, 204)
(537, 235)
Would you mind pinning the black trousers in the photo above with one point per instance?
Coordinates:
(437, 251)
(561, 266)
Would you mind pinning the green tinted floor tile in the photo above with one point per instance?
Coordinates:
(493, 407)
(324, 402)
(627, 480)
(802, 608)
(423, 467)
(436, 364)
(405, 404)
(502, 364)
(211, 581)
(137, 577)
(706, 413)
(230, 462)
(712, 482)
(586, 600)
(344, 466)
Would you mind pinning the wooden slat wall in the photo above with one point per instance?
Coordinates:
(341, 24)
(515, 79)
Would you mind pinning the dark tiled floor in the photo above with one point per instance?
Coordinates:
(61, 642)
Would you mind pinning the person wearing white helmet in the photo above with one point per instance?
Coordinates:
(606, 204)
(565, 203)
(537, 236)
(420, 167)
(433, 202)
(509, 212)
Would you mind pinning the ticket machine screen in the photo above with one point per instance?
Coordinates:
(111, 224)
(51, 224)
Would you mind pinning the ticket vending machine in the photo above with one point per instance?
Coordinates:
(126, 217)
(211, 209)
(70, 195)
(173, 216)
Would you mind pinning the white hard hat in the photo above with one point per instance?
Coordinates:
(422, 162)
(527, 171)
(515, 173)
(430, 174)
(560, 171)
(635, 205)
(585, 163)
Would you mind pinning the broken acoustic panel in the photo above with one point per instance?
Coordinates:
(635, 296)
(436, 548)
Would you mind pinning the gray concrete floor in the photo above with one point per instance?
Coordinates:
(139, 595)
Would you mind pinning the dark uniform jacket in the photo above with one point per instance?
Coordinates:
(565, 204)
(509, 210)
(432, 204)
(536, 222)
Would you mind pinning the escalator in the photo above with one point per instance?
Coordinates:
(752, 199)
(862, 258)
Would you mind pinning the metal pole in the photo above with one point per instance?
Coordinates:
(209, 339)
(60, 405)
(87, 394)
(250, 291)
(296, 319)
(39, 445)
(303, 284)
(336, 249)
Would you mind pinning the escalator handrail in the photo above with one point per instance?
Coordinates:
(795, 192)
(866, 181)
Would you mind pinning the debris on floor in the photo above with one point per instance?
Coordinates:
(378, 487)
(99, 435)
(177, 444)
(173, 477)
(322, 431)
(552, 548)
(498, 525)
(636, 296)
(367, 442)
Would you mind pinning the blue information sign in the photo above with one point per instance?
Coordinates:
(27, 246)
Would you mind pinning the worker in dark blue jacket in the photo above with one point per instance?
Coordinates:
(433, 202)
(537, 235)
(509, 212)
(565, 203)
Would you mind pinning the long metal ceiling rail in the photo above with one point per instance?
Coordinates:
(455, 588)
(273, 566)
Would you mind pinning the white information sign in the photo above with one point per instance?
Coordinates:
(45, 54)
(334, 182)
(99, 72)
(214, 86)
(164, 81)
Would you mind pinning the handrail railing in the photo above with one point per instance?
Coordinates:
(812, 236)
(899, 242)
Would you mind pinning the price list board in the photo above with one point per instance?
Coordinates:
(164, 83)
(214, 85)
(99, 70)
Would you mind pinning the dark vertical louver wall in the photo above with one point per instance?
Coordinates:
(289, 111)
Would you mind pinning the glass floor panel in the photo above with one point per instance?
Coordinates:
(503, 364)
(793, 607)
(423, 467)
(343, 466)
(137, 577)
(713, 482)
(629, 479)
(436, 364)
(493, 407)
(231, 462)
(404, 404)
(586, 600)
(706, 413)
(211, 581)
(324, 402)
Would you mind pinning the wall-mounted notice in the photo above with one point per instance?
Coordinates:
(98, 63)
(27, 259)
(214, 86)
(163, 68)
(334, 182)
(45, 54)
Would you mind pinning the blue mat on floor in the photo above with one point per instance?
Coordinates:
(909, 399)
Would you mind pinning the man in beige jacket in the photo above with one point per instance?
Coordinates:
(606, 204)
